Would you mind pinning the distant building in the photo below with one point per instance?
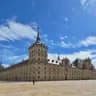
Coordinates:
(39, 67)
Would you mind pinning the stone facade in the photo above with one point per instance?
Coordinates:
(38, 67)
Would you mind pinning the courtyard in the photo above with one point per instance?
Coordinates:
(49, 88)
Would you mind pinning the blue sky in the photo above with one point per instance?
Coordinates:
(67, 27)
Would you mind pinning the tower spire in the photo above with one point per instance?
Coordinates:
(58, 58)
(38, 35)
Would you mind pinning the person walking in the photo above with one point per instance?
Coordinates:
(33, 82)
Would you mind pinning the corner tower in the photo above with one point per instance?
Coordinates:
(38, 51)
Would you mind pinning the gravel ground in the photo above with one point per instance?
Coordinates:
(50, 88)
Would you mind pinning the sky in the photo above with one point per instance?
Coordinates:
(67, 27)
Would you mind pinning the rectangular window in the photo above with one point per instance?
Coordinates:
(38, 77)
(38, 59)
(38, 53)
(39, 72)
(38, 49)
(45, 77)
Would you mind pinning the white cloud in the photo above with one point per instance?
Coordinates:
(9, 57)
(91, 40)
(83, 2)
(89, 6)
(80, 54)
(53, 56)
(15, 31)
(17, 58)
(94, 62)
(66, 19)
(65, 45)
(88, 41)
(60, 42)
(63, 37)
(73, 56)
(6, 65)
(7, 46)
